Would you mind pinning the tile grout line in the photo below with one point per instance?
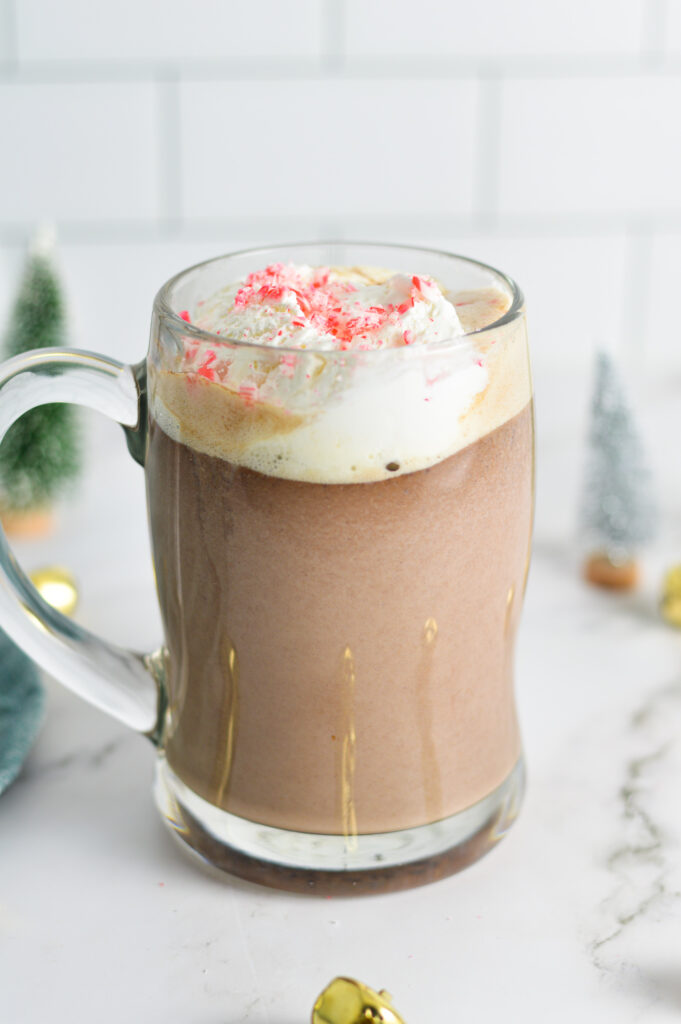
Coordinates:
(336, 64)
(653, 32)
(10, 25)
(429, 226)
(487, 153)
(635, 313)
(169, 151)
(333, 36)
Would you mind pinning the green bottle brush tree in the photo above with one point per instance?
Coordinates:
(40, 454)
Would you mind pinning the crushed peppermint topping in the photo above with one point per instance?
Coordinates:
(330, 309)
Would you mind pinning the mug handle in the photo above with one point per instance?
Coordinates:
(128, 685)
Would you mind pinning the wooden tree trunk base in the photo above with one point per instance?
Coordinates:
(599, 570)
(27, 524)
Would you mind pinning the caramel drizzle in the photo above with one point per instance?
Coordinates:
(348, 753)
(432, 781)
(509, 609)
(231, 703)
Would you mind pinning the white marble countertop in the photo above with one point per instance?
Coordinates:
(576, 915)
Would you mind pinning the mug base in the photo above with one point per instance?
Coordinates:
(332, 864)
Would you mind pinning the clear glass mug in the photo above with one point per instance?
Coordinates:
(341, 543)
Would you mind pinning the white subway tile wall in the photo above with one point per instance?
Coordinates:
(594, 145)
(335, 149)
(6, 34)
(673, 27)
(386, 28)
(546, 134)
(541, 137)
(141, 30)
(79, 155)
(663, 340)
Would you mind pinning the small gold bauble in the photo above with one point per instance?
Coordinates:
(346, 1001)
(57, 586)
(671, 596)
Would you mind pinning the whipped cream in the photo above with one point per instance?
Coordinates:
(328, 309)
(360, 391)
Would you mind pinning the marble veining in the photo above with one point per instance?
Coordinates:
(95, 758)
(646, 845)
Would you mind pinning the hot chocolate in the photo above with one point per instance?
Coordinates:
(341, 546)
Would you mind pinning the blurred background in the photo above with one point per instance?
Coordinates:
(542, 138)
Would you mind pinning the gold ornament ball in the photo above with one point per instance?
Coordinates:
(671, 596)
(346, 1001)
(57, 586)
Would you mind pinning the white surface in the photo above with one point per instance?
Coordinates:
(575, 916)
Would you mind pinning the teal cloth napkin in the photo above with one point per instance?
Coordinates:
(22, 704)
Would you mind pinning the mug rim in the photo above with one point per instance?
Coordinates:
(163, 308)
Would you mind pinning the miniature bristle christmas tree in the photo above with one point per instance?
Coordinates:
(618, 510)
(40, 453)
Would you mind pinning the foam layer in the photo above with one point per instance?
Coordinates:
(374, 406)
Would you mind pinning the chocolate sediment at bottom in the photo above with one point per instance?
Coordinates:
(341, 655)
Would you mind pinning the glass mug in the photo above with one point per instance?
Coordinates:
(333, 706)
